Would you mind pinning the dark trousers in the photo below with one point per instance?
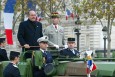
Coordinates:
(38, 72)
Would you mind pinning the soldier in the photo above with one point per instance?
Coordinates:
(70, 51)
(11, 70)
(47, 57)
(55, 32)
(3, 53)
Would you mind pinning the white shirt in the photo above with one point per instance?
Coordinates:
(2, 47)
(15, 65)
(72, 51)
(42, 50)
(56, 26)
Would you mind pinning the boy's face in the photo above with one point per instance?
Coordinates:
(17, 59)
(43, 45)
(3, 44)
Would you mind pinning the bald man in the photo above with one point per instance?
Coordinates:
(29, 31)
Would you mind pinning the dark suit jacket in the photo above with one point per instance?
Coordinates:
(29, 32)
(11, 71)
(68, 53)
(3, 55)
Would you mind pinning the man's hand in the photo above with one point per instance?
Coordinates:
(57, 47)
(26, 46)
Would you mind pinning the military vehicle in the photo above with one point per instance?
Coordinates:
(63, 67)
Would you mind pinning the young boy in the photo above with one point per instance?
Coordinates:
(47, 57)
(11, 70)
(3, 54)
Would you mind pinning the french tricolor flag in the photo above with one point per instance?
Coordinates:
(90, 64)
(38, 18)
(69, 14)
(8, 20)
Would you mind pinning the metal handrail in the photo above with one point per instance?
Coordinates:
(48, 46)
(84, 59)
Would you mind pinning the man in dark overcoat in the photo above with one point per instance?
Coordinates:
(29, 31)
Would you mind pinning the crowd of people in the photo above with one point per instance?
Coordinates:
(31, 36)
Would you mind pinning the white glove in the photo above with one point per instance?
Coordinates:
(57, 47)
(65, 46)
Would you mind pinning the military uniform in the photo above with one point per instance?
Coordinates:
(3, 55)
(47, 59)
(43, 56)
(55, 32)
(47, 56)
(11, 70)
(70, 51)
(56, 36)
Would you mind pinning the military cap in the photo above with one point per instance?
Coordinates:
(71, 39)
(43, 39)
(2, 40)
(14, 54)
(54, 15)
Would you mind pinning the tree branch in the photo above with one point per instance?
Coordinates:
(101, 22)
(111, 24)
(58, 5)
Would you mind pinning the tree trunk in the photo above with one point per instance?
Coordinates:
(109, 37)
(109, 46)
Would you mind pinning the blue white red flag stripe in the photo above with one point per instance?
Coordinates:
(38, 18)
(90, 64)
(8, 19)
(9, 7)
(69, 13)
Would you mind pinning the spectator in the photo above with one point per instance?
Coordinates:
(70, 51)
(3, 53)
(11, 70)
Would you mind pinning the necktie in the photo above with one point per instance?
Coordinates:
(55, 27)
(45, 52)
(73, 51)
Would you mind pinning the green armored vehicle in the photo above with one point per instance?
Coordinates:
(64, 67)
